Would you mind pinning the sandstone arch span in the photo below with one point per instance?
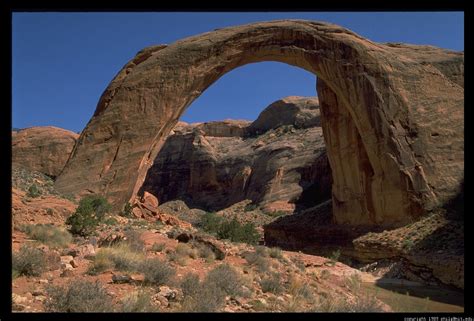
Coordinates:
(392, 114)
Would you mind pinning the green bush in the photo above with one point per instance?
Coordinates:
(275, 213)
(232, 230)
(48, 234)
(29, 261)
(210, 222)
(127, 211)
(156, 271)
(334, 257)
(89, 213)
(15, 274)
(33, 191)
(250, 207)
(78, 296)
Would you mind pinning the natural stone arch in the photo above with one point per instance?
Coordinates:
(380, 108)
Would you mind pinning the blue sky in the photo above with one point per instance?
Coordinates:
(62, 62)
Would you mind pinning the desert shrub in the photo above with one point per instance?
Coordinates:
(260, 262)
(89, 213)
(298, 288)
(29, 261)
(78, 296)
(272, 284)
(48, 234)
(49, 211)
(33, 191)
(178, 258)
(126, 211)
(237, 232)
(101, 262)
(325, 274)
(158, 247)
(210, 299)
(299, 264)
(183, 249)
(226, 278)
(205, 252)
(275, 213)
(275, 253)
(262, 251)
(353, 282)
(138, 301)
(232, 230)
(110, 221)
(156, 271)
(334, 257)
(190, 285)
(250, 207)
(210, 222)
(133, 238)
(15, 274)
(206, 296)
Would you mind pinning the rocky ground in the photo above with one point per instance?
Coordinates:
(267, 279)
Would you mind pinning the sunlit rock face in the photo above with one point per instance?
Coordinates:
(44, 149)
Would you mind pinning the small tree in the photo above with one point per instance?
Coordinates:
(89, 213)
(33, 191)
(127, 211)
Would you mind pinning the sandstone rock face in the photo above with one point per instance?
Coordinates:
(392, 115)
(301, 112)
(216, 164)
(43, 149)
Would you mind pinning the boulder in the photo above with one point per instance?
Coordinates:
(43, 149)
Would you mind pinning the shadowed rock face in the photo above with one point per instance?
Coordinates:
(43, 149)
(392, 115)
(216, 164)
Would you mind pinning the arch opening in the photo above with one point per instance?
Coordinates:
(277, 161)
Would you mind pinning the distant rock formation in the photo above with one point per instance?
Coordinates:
(43, 149)
(216, 164)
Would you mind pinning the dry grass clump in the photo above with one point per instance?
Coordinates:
(209, 295)
(156, 271)
(78, 296)
(48, 234)
(29, 261)
(138, 301)
(120, 257)
(272, 284)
